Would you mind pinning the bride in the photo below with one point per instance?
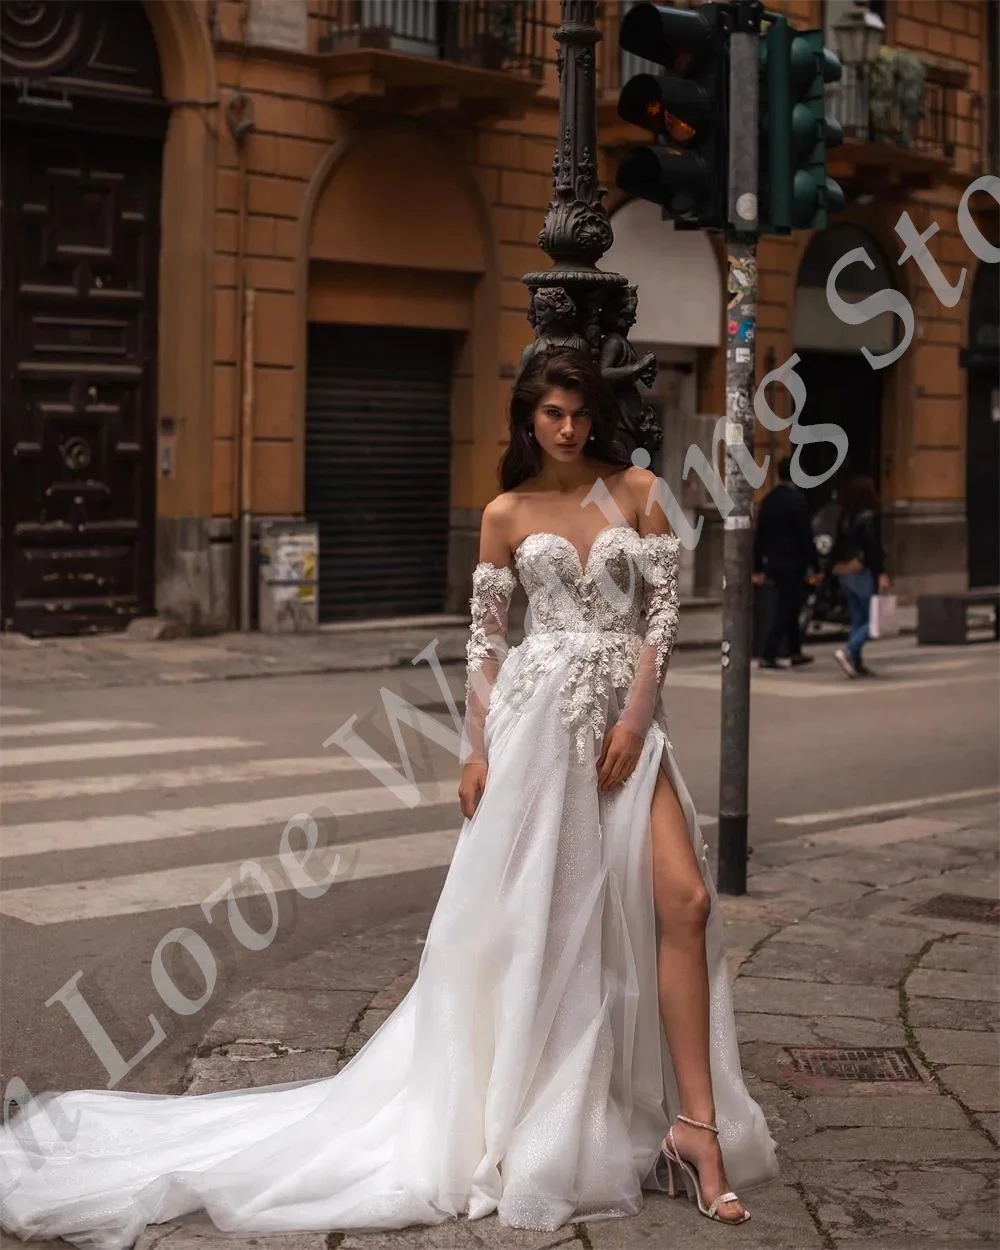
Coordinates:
(570, 1039)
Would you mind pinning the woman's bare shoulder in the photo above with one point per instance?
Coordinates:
(639, 481)
(501, 508)
(641, 485)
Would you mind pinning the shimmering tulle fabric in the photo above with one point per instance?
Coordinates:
(525, 1072)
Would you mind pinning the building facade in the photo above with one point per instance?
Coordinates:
(263, 258)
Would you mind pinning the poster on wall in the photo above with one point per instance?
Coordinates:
(279, 24)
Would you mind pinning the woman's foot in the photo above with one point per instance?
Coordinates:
(700, 1148)
(845, 661)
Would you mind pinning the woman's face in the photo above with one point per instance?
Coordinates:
(562, 424)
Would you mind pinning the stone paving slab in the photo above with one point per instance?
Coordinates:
(931, 983)
(811, 998)
(964, 953)
(903, 1145)
(907, 1205)
(977, 1086)
(485, 1234)
(959, 1046)
(949, 1013)
(889, 1110)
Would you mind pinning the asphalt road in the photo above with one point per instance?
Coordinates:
(124, 809)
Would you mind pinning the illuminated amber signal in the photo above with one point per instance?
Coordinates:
(667, 123)
(677, 129)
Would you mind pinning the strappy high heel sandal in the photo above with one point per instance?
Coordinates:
(676, 1181)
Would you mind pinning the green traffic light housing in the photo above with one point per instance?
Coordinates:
(796, 192)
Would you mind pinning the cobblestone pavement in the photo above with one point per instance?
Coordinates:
(849, 939)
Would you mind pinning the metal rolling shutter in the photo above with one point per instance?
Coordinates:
(378, 472)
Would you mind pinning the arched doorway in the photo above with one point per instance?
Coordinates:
(679, 320)
(982, 429)
(841, 386)
(83, 122)
(401, 373)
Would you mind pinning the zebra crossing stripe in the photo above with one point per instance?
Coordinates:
(124, 748)
(40, 837)
(66, 728)
(237, 771)
(188, 887)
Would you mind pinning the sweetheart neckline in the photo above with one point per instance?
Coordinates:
(584, 564)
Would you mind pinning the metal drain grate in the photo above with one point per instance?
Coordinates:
(960, 907)
(871, 1064)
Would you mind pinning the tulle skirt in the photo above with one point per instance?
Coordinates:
(525, 1073)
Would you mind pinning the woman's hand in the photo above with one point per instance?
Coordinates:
(619, 756)
(884, 583)
(471, 787)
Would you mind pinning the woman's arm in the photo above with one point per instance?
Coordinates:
(660, 604)
(493, 585)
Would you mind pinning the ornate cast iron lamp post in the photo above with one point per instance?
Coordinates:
(574, 304)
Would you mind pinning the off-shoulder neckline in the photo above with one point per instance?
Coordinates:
(585, 563)
(669, 539)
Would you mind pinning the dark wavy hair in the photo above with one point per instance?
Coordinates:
(571, 371)
(860, 495)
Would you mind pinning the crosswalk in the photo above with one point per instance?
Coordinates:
(77, 798)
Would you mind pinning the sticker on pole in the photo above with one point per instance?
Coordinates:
(746, 206)
(743, 355)
(737, 523)
(734, 434)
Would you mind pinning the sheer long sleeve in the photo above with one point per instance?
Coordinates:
(660, 610)
(492, 589)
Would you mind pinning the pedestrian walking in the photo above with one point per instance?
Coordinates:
(859, 562)
(785, 555)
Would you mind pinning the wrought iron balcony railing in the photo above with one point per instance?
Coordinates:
(922, 117)
(508, 35)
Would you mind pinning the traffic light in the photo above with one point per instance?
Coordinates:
(794, 190)
(684, 171)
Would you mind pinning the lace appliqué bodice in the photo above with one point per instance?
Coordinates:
(585, 620)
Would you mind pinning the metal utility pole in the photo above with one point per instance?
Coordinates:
(741, 335)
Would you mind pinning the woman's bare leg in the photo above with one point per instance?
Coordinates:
(682, 905)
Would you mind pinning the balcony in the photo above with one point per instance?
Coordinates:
(912, 120)
(485, 57)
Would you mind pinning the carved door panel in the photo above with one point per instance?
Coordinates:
(80, 248)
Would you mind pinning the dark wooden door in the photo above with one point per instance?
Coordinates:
(80, 252)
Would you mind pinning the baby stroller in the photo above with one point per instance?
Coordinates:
(824, 602)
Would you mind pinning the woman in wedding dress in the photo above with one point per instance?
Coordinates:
(569, 1040)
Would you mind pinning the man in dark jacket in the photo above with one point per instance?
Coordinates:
(785, 554)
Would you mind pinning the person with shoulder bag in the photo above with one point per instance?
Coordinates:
(859, 562)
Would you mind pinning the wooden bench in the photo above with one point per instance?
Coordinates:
(943, 620)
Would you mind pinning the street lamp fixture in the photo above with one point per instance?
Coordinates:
(859, 33)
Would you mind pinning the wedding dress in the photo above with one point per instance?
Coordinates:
(526, 1071)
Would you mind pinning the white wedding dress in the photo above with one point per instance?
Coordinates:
(526, 1071)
